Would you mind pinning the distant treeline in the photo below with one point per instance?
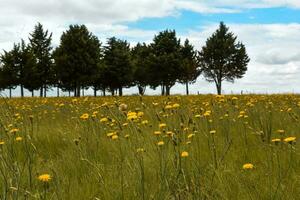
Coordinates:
(81, 61)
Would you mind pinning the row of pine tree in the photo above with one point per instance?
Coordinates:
(81, 61)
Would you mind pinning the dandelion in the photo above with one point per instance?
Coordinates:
(276, 140)
(167, 107)
(44, 178)
(145, 122)
(14, 130)
(127, 136)
(184, 154)
(290, 140)
(163, 125)
(104, 120)
(191, 135)
(280, 131)
(248, 166)
(2, 142)
(18, 139)
(207, 113)
(84, 116)
(132, 116)
(114, 137)
(157, 133)
(160, 143)
(175, 105)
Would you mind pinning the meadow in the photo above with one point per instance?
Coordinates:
(176, 147)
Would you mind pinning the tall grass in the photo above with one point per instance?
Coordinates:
(109, 155)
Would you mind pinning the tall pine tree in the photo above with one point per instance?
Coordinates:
(40, 44)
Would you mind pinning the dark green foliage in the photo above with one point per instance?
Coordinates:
(77, 58)
(140, 58)
(16, 67)
(118, 70)
(40, 44)
(223, 58)
(165, 61)
(189, 67)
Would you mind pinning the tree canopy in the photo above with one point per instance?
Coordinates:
(223, 58)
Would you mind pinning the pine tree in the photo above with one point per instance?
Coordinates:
(189, 66)
(40, 44)
(77, 58)
(118, 70)
(223, 58)
(164, 61)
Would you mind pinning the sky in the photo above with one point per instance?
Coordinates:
(270, 30)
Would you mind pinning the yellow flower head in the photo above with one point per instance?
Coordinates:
(290, 140)
(191, 135)
(212, 131)
(163, 125)
(184, 154)
(248, 166)
(103, 120)
(157, 132)
(19, 139)
(276, 140)
(14, 130)
(84, 116)
(160, 143)
(114, 137)
(2, 142)
(280, 131)
(175, 105)
(44, 177)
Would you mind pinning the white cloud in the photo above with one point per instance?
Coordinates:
(274, 52)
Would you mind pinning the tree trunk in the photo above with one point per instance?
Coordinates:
(141, 90)
(219, 88)
(69, 93)
(78, 91)
(113, 92)
(120, 91)
(83, 92)
(9, 92)
(22, 91)
(57, 91)
(32, 93)
(168, 88)
(45, 91)
(187, 88)
(95, 92)
(104, 94)
(41, 92)
(162, 90)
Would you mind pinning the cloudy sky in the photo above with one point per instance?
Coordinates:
(270, 29)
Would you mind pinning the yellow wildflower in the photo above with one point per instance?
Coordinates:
(290, 140)
(84, 116)
(19, 139)
(248, 166)
(44, 178)
(160, 143)
(184, 154)
(162, 125)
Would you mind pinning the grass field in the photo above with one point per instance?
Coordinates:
(196, 147)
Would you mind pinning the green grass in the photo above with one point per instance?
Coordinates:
(84, 163)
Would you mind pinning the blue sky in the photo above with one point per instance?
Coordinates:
(186, 20)
(270, 29)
